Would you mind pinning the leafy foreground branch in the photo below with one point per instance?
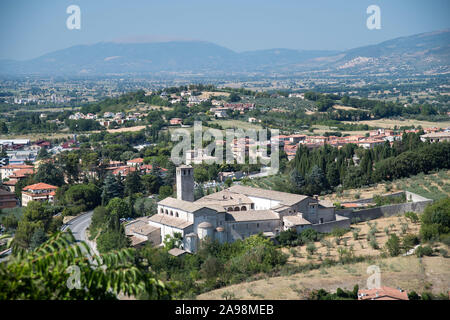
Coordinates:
(62, 269)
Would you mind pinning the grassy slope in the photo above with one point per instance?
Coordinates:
(408, 273)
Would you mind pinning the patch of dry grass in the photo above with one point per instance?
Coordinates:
(408, 273)
(390, 123)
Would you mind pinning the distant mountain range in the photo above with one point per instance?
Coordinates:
(427, 53)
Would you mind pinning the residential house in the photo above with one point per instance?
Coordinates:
(38, 192)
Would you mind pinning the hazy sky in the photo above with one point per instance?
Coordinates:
(31, 28)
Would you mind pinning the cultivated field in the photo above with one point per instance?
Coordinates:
(209, 94)
(390, 123)
(338, 107)
(432, 186)
(129, 129)
(408, 273)
(38, 136)
(329, 246)
(237, 124)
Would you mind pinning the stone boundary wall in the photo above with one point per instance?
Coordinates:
(391, 195)
(326, 227)
(418, 206)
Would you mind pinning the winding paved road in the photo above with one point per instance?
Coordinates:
(78, 227)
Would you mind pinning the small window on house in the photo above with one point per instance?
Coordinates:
(176, 214)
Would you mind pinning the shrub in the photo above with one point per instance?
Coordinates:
(311, 248)
(445, 238)
(424, 251)
(374, 244)
(393, 245)
(436, 219)
(412, 216)
(404, 228)
(345, 255)
(413, 296)
(409, 241)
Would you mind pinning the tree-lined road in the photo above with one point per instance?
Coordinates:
(78, 227)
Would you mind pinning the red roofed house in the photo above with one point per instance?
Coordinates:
(8, 170)
(16, 177)
(147, 168)
(123, 171)
(135, 162)
(38, 192)
(175, 121)
(382, 293)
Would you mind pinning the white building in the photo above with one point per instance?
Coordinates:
(238, 212)
(38, 192)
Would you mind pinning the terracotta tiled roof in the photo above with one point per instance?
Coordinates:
(137, 160)
(382, 293)
(40, 186)
(21, 173)
(17, 166)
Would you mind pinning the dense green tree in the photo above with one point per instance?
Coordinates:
(70, 164)
(234, 97)
(43, 154)
(133, 183)
(38, 238)
(82, 196)
(118, 207)
(49, 173)
(165, 191)
(151, 183)
(3, 127)
(393, 245)
(45, 272)
(315, 181)
(112, 187)
(201, 174)
(436, 220)
(37, 215)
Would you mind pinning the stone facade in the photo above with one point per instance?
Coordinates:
(185, 183)
(237, 213)
(416, 203)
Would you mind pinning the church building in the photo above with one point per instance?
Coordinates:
(237, 212)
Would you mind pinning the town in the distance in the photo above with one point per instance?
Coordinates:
(265, 151)
(348, 194)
